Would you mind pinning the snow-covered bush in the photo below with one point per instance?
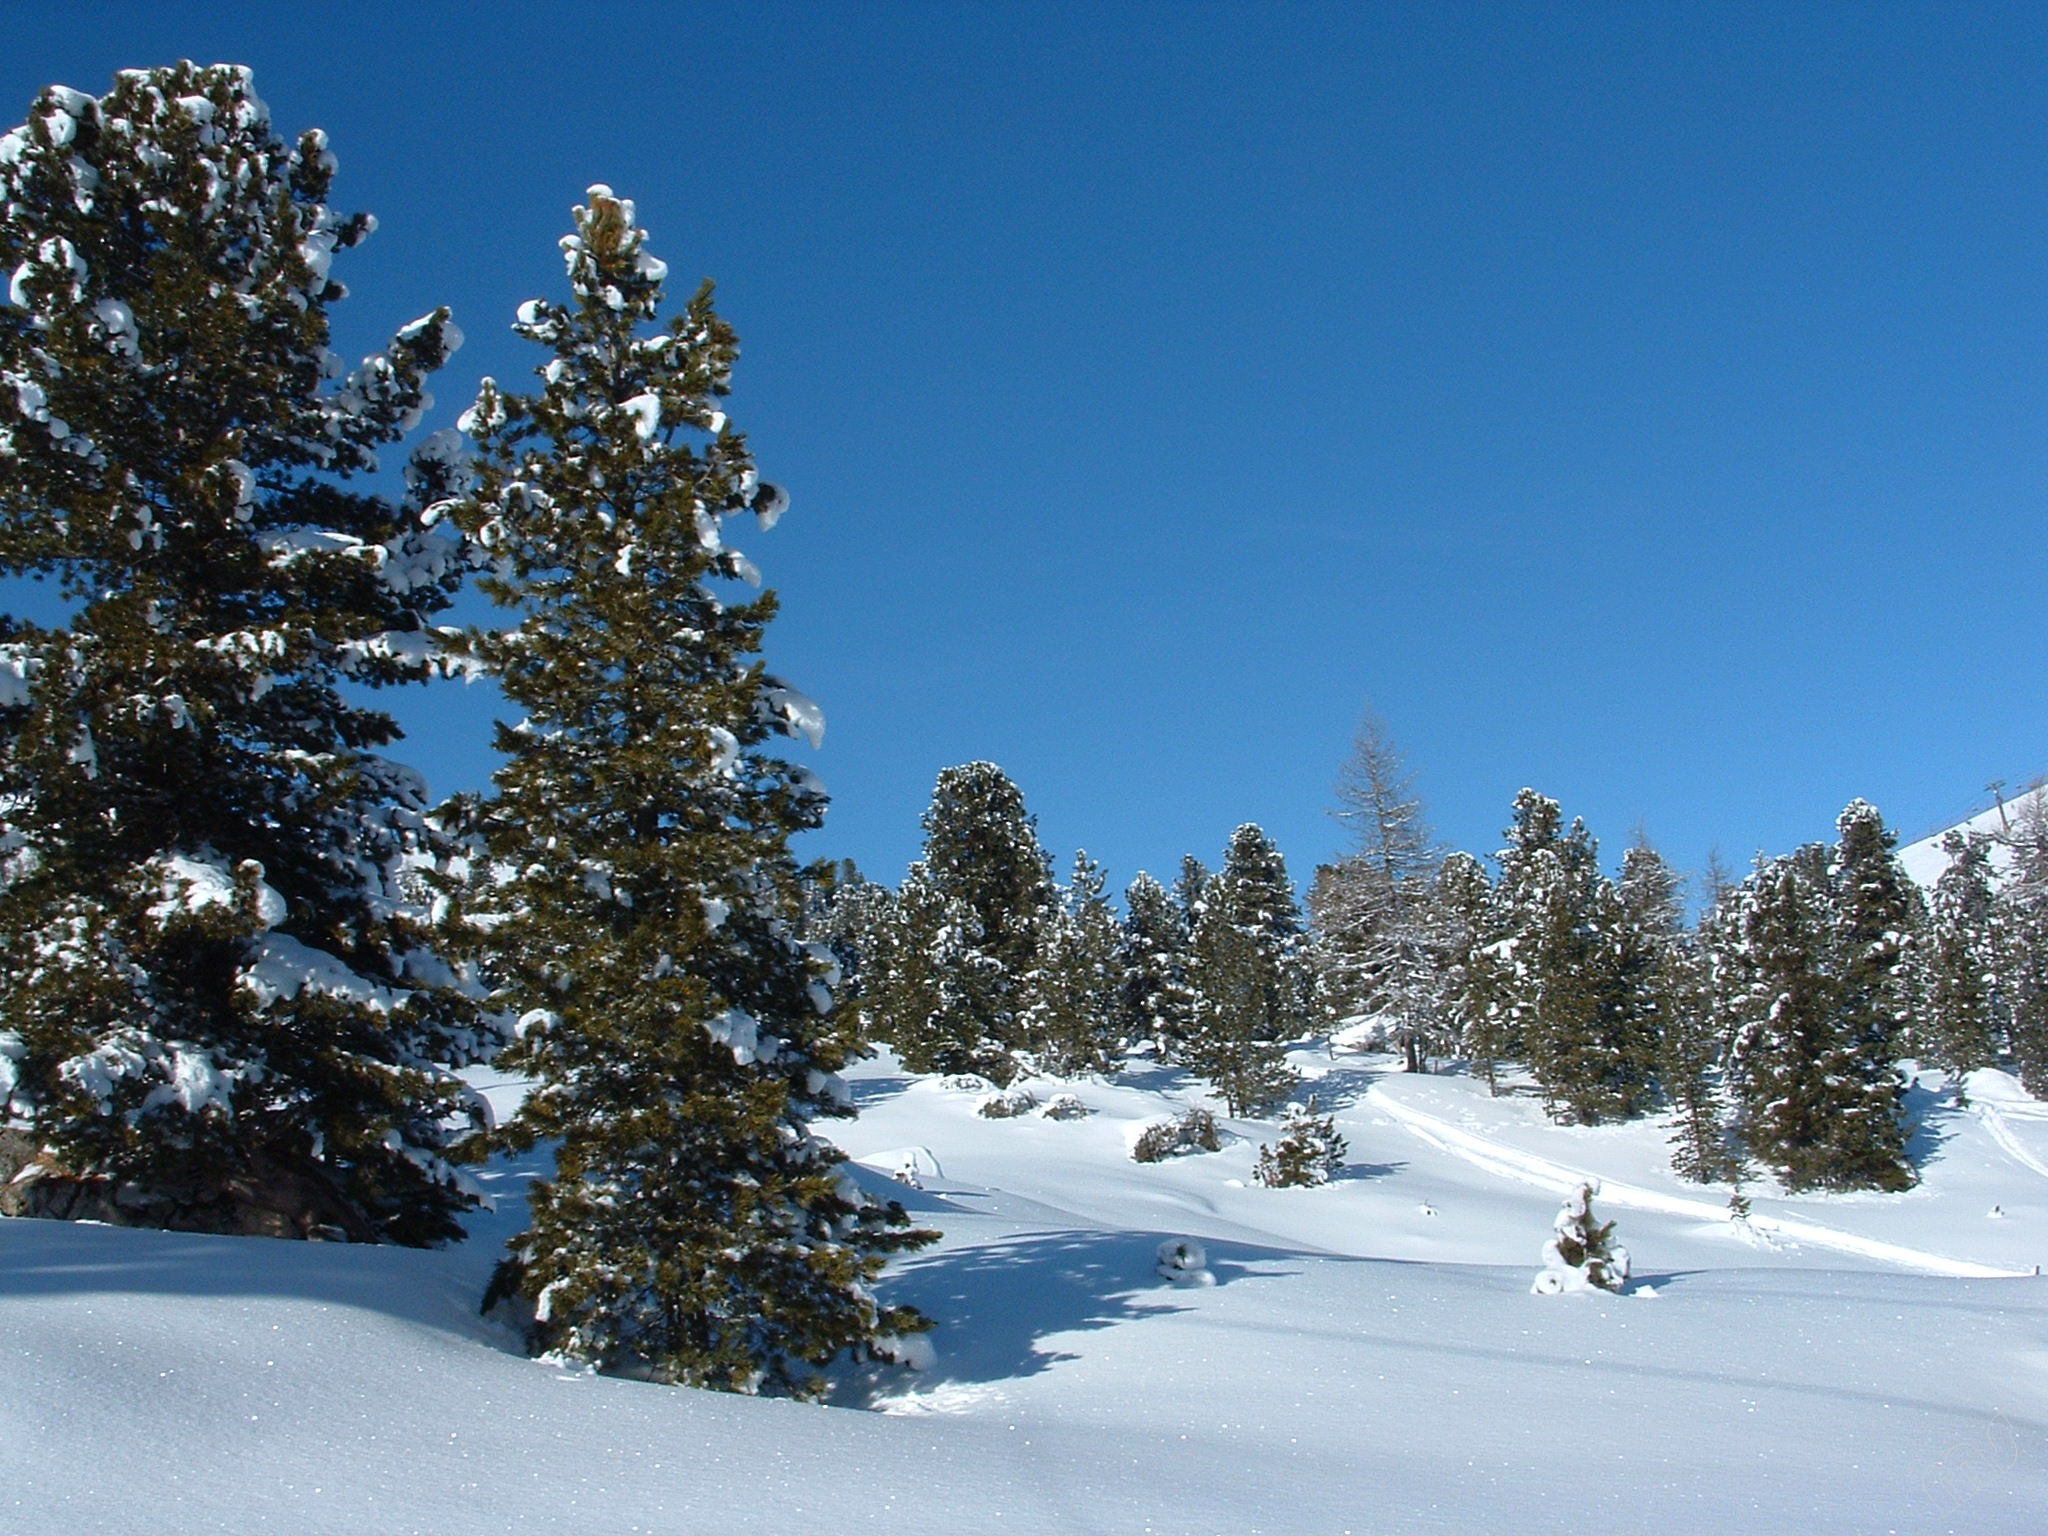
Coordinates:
(1009, 1105)
(1183, 1261)
(1581, 1254)
(1193, 1131)
(1310, 1151)
(1065, 1107)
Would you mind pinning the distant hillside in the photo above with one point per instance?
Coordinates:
(1925, 861)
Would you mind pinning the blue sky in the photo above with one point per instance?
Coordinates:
(1646, 403)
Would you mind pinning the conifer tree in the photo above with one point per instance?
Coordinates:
(931, 988)
(848, 914)
(679, 1032)
(1820, 1100)
(1561, 914)
(1071, 993)
(971, 930)
(1966, 998)
(1154, 1003)
(1692, 1051)
(1310, 1151)
(218, 1009)
(1879, 920)
(2023, 910)
(1655, 974)
(1190, 886)
(1468, 929)
(981, 847)
(1581, 1254)
(1244, 970)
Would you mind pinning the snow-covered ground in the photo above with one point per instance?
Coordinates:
(1369, 1358)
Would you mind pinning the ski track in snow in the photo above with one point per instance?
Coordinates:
(1528, 1168)
(1995, 1121)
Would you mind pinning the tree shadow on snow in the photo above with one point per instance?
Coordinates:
(1354, 1172)
(873, 1090)
(995, 1305)
(439, 1288)
(1931, 1112)
(1162, 1077)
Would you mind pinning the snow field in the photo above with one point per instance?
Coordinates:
(1369, 1357)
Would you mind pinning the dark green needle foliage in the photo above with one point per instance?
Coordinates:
(217, 1011)
(1310, 1151)
(1811, 976)
(1966, 993)
(969, 923)
(1247, 973)
(646, 925)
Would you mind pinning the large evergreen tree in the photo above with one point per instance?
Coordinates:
(2023, 919)
(1154, 1002)
(1468, 932)
(971, 918)
(1820, 1100)
(679, 1032)
(1967, 997)
(1581, 1039)
(981, 847)
(1879, 921)
(1245, 972)
(1070, 1022)
(219, 1011)
(1692, 1050)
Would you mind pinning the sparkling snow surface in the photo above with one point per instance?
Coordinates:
(1369, 1357)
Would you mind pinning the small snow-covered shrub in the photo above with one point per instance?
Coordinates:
(1007, 1106)
(967, 1082)
(1310, 1151)
(1065, 1107)
(1184, 1261)
(1194, 1131)
(1581, 1254)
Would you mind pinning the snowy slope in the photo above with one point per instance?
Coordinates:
(1925, 861)
(1370, 1358)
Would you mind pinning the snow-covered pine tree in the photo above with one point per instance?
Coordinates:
(981, 847)
(1820, 1101)
(219, 1012)
(1069, 1019)
(2023, 913)
(1310, 1151)
(1249, 986)
(1468, 932)
(1370, 909)
(970, 937)
(1965, 1025)
(1154, 1001)
(1561, 915)
(1692, 1049)
(679, 1032)
(847, 913)
(930, 987)
(1880, 921)
(1581, 1254)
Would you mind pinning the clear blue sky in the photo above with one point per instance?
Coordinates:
(1646, 403)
